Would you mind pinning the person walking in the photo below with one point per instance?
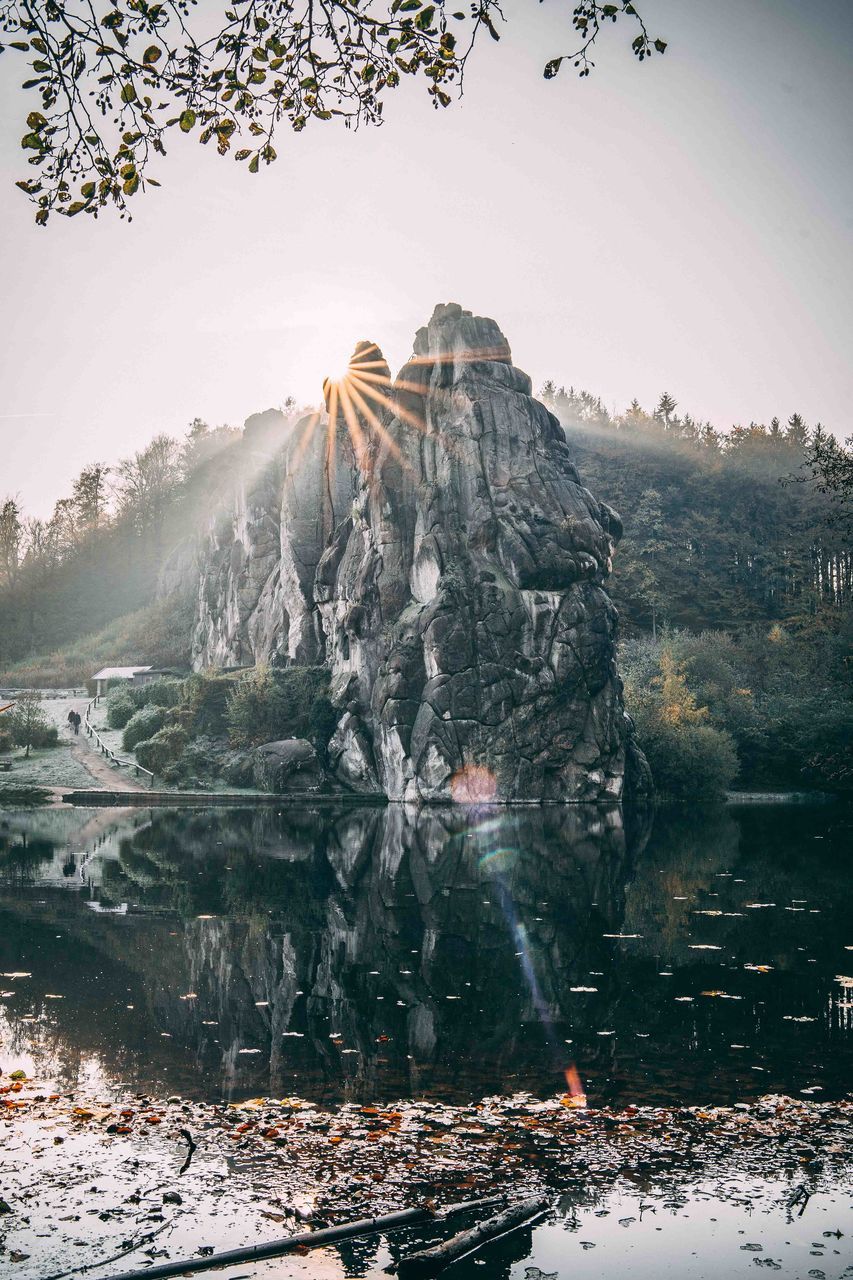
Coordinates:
(76, 715)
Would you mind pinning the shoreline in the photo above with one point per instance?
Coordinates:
(148, 1168)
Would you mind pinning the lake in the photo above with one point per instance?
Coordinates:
(692, 956)
(380, 953)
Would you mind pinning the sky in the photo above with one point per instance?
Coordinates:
(680, 225)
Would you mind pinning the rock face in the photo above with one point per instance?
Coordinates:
(429, 539)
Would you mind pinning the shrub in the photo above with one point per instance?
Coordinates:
(205, 700)
(47, 736)
(159, 693)
(163, 749)
(238, 769)
(688, 756)
(27, 722)
(292, 702)
(689, 761)
(120, 707)
(143, 724)
(6, 741)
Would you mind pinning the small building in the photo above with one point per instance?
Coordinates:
(102, 678)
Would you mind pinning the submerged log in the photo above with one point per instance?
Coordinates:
(304, 1240)
(429, 1262)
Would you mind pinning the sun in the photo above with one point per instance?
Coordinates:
(339, 373)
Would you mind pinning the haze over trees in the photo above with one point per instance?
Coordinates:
(100, 554)
(734, 582)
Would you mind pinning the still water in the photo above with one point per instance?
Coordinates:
(690, 957)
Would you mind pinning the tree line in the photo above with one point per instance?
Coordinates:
(101, 551)
(734, 582)
(721, 529)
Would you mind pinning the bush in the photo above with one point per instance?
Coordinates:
(163, 749)
(204, 704)
(238, 770)
(688, 756)
(143, 724)
(120, 707)
(6, 741)
(159, 693)
(48, 736)
(692, 761)
(292, 702)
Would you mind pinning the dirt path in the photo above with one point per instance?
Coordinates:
(85, 752)
(105, 774)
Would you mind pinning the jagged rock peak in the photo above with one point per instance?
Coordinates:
(454, 332)
(433, 545)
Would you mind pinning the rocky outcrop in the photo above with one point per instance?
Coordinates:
(430, 540)
(288, 765)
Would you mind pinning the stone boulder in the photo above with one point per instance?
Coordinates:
(290, 765)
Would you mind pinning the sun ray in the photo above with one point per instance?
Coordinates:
(373, 419)
(407, 416)
(354, 427)
(305, 439)
(393, 384)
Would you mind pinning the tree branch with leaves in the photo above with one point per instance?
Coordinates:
(111, 89)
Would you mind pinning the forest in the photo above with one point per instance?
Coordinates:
(733, 583)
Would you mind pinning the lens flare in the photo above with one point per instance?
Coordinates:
(575, 1097)
(473, 784)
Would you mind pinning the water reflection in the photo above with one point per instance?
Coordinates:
(379, 953)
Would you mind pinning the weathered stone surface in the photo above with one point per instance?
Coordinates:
(431, 541)
(288, 765)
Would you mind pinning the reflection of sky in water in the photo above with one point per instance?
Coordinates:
(379, 954)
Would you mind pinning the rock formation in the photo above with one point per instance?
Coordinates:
(429, 539)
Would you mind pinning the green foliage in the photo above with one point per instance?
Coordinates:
(163, 749)
(291, 702)
(158, 693)
(143, 724)
(688, 757)
(783, 698)
(6, 740)
(715, 535)
(204, 705)
(28, 724)
(254, 70)
(120, 707)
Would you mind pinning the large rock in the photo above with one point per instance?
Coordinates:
(430, 540)
(290, 765)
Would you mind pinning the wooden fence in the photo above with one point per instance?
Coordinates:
(109, 753)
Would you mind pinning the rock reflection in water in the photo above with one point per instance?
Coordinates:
(390, 952)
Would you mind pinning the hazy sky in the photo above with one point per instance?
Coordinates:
(683, 225)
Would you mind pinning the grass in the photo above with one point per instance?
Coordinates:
(22, 797)
(159, 634)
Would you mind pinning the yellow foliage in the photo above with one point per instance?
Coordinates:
(678, 704)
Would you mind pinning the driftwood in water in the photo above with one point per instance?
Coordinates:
(304, 1240)
(429, 1262)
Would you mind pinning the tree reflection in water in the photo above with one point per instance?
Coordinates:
(391, 952)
